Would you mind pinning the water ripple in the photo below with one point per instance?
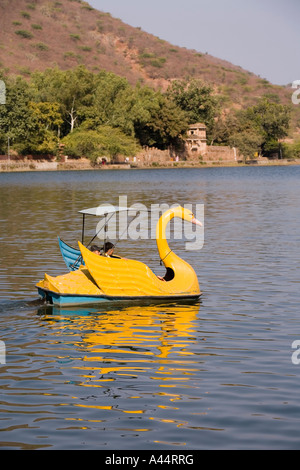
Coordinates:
(216, 374)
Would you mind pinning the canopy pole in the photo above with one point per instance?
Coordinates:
(105, 232)
(82, 236)
(105, 227)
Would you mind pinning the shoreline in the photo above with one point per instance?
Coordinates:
(14, 166)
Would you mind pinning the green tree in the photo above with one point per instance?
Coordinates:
(197, 100)
(166, 125)
(273, 120)
(139, 112)
(243, 133)
(291, 150)
(45, 131)
(15, 116)
(157, 120)
(46, 115)
(104, 141)
(109, 89)
(248, 141)
(73, 89)
(255, 129)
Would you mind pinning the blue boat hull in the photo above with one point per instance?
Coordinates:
(72, 256)
(69, 300)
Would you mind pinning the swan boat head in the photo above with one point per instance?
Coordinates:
(179, 272)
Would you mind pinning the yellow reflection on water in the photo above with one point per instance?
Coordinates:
(147, 350)
(146, 330)
(131, 340)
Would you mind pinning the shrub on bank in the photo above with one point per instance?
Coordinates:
(291, 150)
(105, 141)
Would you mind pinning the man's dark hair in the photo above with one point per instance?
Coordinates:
(95, 248)
(107, 246)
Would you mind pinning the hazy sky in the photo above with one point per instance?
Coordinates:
(262, 36)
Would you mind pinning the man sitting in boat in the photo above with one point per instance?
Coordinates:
(95, 249)
(107, 250)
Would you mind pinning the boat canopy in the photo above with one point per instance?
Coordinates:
(103, 210)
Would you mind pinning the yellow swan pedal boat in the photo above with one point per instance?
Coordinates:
(104, 278)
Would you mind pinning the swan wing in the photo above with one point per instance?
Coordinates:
(120, 277)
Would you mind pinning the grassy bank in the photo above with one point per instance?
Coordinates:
(15, 166)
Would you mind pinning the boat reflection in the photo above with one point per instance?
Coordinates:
(147, 330)
(135, 364)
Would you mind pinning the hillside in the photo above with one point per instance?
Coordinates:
(37, 34)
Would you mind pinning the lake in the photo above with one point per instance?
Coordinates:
(221, 373)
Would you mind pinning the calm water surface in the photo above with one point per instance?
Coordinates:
(212, 375)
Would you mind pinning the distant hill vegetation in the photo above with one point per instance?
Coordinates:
(40, 34)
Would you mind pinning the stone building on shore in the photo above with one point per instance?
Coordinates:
(197, 149)
(194, 150)
(196, 141)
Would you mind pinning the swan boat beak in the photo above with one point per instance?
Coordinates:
(196, 222)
